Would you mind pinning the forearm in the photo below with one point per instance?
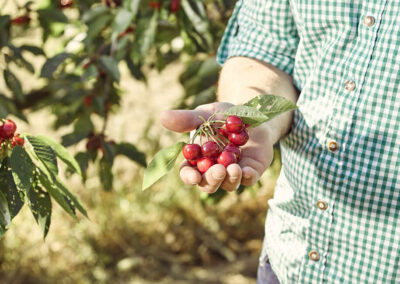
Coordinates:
(243, 78)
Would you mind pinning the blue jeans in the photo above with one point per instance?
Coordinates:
(265, 274)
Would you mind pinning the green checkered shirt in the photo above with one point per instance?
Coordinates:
(335, 214)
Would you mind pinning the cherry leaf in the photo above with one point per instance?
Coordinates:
(271, 105)
(248, 114)
(261, 109)
(162, 163)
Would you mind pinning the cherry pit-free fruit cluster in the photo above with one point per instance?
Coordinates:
(222, 145)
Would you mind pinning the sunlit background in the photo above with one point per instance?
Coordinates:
(170, 233)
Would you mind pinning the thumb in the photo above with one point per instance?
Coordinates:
(183, 120)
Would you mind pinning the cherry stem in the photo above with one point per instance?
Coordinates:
(219, 142)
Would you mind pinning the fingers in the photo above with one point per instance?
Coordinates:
(189, 175)
(217, 176)
(249, 176)
(209, 182)
(187, 120)
(233, 178)
(212, 179)
(251, 171)
(182, 120)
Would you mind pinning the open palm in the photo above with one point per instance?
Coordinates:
(257, 154)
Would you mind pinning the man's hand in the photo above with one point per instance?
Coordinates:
(257, 154)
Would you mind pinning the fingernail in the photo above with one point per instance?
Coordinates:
(216, 176)
(233, 179)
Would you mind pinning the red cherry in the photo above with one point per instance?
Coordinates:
(191, 151)
(174, 7)
(222, 131)
(88, 101)
(192, 163)
(87, 64)
(124, 33)
(226, 158)
(239, 139)
(155, 5)
(234, 124)
(94, 142)
(65, 4)
(21, 20)
(210, 149)
(203, 164)
(234, 149)
(17, 141)
(247, 125)
(8, 128)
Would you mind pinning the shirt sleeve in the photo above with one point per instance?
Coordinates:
(263, 30)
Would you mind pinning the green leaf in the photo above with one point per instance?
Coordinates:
(5, 217)
(44, 153)
(94, 13)
(32, 49)
(162, 163)
(145, 36)
(3, 230)
(73, 199)
(271, 105)
(57, 194)
(109, 151)
(121, 22)
(82, 128)
(248, 114)
(22, 168)
(19, 59)
(105, 173)
(10, 191)
(134, 69)
(96, 26)
(14, 85)
(4, 21)
(4, 29)
(52, 64)
(133, 6)
(83, 160)
(62, 153)
(197, 16)
(110, 66)
(40, 205)
(131, 152)
(52, 15)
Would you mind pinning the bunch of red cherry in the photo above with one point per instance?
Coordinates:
(8, 135)
(224, 139)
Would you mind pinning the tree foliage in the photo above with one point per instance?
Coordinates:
(84, 44)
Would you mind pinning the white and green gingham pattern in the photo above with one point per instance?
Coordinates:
(323, 44)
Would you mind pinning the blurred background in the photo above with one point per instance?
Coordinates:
(106, 69)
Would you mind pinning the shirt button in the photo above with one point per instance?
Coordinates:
(322, 205)
(369, 21)
(349, 85)
(313, 255)
(333, 146)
